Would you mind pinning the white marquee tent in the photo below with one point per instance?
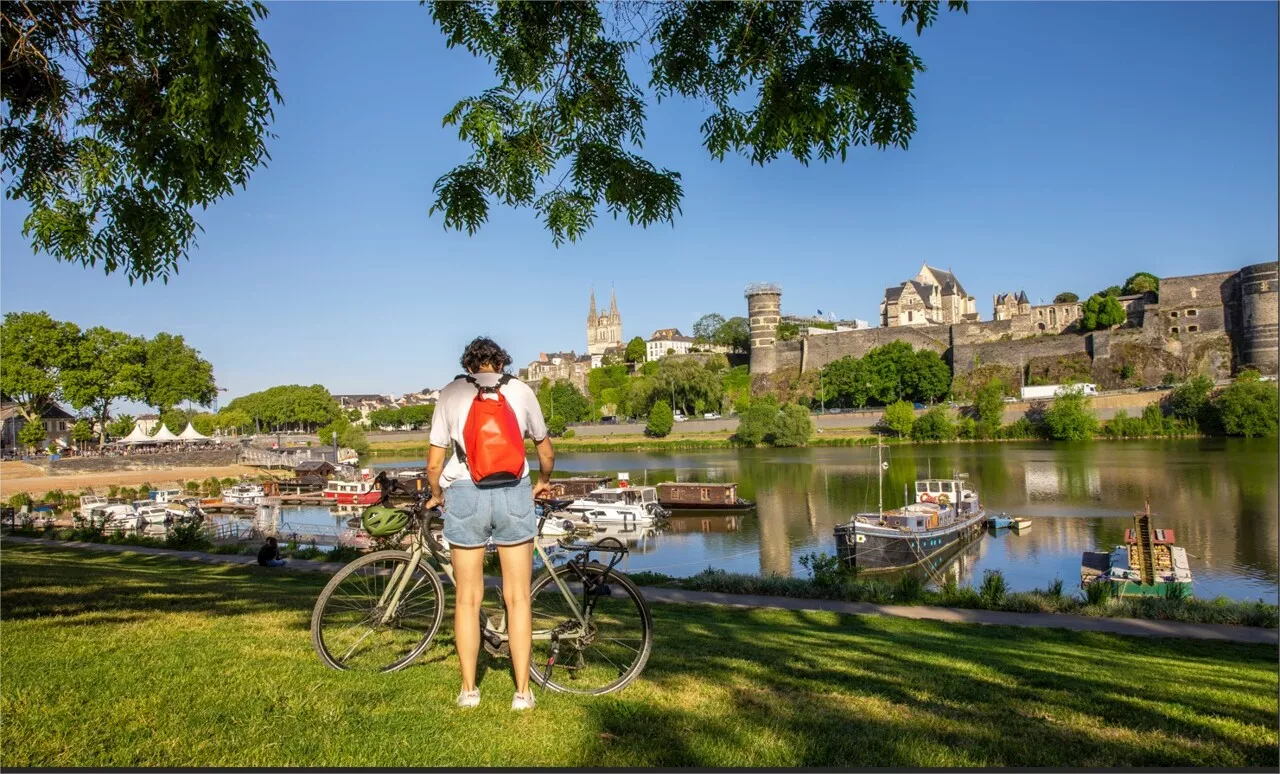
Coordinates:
(136, 437)
(164, 434)
(192, 434)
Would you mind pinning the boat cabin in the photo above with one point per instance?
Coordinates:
(166, 495)
(335, 487)
(577, 486)
(912, 518)
(627, 495)
(698, 493)
(313, 472)
(946, 492)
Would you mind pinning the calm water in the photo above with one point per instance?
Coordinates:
(1219, 496)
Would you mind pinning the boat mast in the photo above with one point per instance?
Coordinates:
(879, 475)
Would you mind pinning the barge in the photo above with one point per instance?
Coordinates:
(692, 495)
(1148, 564)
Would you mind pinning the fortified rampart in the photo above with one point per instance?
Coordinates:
(1213, 323)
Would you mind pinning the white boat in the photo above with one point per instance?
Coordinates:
(617, 505)
(89, 502)
(118, 517)
(244, 494)
(166, 495)
(154, 520)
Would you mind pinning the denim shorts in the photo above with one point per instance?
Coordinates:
(503, 514)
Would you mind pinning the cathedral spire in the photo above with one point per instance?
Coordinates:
(613, 305)
(591, 316)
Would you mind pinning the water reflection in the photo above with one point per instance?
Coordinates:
(1219, 496)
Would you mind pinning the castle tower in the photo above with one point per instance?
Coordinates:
(1258, 313)
(764, 312)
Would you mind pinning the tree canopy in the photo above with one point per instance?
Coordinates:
(36, 348)
(122, 118)
(109, 365)
(289, 406)
(1066, 297)
(886, 374)
(1101, 311)
(560, 128)
(177, 373)
(636, 351)
(707, 326)
(1142, 282)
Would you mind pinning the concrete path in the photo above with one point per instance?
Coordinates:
(1133, 627)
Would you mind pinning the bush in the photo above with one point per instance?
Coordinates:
(934, 425)
(1070, 418)
(793, 426)
(188, 536)
(758, 421)
(661, 420)
(1097, 593)
(899, 418)
(1055, 589)
(825, 571)
(909, 589)
(1019, 430)
(988, 404)
(19, 501)
(343, 554)
(1249, 407)
(556, 426)
(1189, 400)
(993, 587)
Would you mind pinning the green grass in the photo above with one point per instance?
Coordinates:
(129, 660)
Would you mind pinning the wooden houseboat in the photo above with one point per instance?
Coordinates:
(698, 495)
(1148, 564)
(577, 486)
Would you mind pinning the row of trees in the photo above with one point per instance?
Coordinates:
(47, 360)
(285, 407)
(887, 374)
(412, 417)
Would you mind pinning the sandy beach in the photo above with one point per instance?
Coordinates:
(21, 477)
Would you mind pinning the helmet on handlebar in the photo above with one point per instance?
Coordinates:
(383, 520)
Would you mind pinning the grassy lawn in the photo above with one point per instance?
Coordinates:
(127, 660)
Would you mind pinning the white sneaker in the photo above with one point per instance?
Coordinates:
(522, 701)
(469, 699)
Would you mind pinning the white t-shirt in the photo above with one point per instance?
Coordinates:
(454, 404)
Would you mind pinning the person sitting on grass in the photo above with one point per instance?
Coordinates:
(269, 554)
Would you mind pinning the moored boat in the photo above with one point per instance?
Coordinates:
(1148, 564)
(1005, 521)
(701, 495)
(244, 494)
(620, 504)
(352, 492)
(577, 486)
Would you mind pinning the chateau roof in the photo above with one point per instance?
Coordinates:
(950, 285)
(668, 334)
(1022, 297)
(52, 411)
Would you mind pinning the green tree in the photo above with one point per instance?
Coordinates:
(561, 399)
(176, 373)
(82, 431)
(120, 119)
(1066, 297)
(385, 418)
(690, 386)
(558, 129)
(355, 415)
(988, 405)
(707, 327)
(899, 417)
(34, 350)
(417, 416)
(1249, 407)
(734, 334)
(605, 377)
(787, 330)
(1190, 400)
(348, 435)
(1110, 290)
(934, 425)
(31, 436)
(289, 406)
(792, 427)
(928, 379)
(1101, 311)
(661, 420)
(845, 383)
(758, 422)
(636, 350)
(233, 420)
(1142, 282)
(119, 427)
(1070, 417)
(105, 366)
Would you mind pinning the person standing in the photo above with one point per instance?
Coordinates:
(483, 416)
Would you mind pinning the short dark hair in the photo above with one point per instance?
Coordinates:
(483, 351)
(271, 541)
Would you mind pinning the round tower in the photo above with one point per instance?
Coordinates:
(1258, 313)
(764, 312)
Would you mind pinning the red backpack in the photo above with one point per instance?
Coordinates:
(493, 444)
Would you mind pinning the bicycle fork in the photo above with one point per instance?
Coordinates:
(390, 599)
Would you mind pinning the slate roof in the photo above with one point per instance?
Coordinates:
(1022, 297)
(950, 285)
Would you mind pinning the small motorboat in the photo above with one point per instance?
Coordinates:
(1005, 521)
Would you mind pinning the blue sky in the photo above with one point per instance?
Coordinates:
(1060, 147)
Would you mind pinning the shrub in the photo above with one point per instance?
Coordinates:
(793, 426)
(1249, 407)
(1175, 591)
(826, 571)
(899, 417)
(556, 426)
(113, 491)
(661, 420)
(934, 425)
(1189, 400)
(19, 501)
(1097, 593)
(343, 554)
(187, 537)
(1101, 311)
(909, 589)
(758, 422)
(1070, 418)
(1019, 430)
(1055, 589)
(993, 587)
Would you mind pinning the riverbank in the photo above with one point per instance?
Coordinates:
(724, 687)
(18, 477)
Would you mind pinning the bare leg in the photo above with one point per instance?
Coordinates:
(468, 569)
(517, 576)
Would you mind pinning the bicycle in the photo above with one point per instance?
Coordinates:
(592, 629)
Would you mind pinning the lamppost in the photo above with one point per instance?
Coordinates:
(822, 394)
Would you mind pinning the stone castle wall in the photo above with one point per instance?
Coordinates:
(1211, 323)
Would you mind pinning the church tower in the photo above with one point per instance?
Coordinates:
(603, 330)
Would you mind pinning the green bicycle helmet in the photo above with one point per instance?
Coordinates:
(383, 521)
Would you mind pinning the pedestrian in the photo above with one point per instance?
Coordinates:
(269, 554)
(484, 415)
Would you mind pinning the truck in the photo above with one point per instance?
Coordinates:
(1042, 391)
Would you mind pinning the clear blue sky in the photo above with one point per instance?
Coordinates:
(1060, 147)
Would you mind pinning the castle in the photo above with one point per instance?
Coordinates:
(1209, 323)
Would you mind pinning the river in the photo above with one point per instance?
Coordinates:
(1220, 497)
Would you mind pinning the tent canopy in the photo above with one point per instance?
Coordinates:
(190, 433)
(164, 434)
(136, 437)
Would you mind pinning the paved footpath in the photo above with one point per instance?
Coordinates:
(1134, 627)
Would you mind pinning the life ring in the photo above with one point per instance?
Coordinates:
(944, 500)
(928, 498)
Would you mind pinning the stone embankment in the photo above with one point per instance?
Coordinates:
(159, 461)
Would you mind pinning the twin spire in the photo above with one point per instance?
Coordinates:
(613, 306)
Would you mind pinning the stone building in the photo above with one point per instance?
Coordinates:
(57, 425)
(1044, 318)
(604, 331)
(933, 297)
(667, 341)
(558, 366)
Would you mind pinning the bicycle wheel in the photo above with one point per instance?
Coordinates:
(616, 644)
(350, 627)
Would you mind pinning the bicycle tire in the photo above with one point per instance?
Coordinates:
(615, 580)
(317, 614)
